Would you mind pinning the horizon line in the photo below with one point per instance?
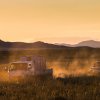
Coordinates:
(51, 42)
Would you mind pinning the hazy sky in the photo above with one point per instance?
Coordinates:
(68, 21)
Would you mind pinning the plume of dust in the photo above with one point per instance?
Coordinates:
(76, 67)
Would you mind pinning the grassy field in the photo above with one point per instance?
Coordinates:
(37, 88)
(74, 60)
(70, 54)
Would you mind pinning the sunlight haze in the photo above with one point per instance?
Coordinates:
(53, 21)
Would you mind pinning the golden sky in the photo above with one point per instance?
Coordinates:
(62, 21)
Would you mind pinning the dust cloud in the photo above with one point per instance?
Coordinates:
(75, 67)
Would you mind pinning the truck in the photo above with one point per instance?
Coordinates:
(95, 69)
(29, 66)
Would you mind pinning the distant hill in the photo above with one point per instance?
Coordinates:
(22, 45)
(89, 43)
(39, 44)
(63, 44)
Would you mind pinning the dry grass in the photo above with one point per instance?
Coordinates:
(39, 88)
(70, 88)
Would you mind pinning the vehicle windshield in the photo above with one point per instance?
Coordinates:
(18, 66)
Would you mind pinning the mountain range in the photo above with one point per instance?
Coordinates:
(39, 44)
(23, 45)
(89, 43)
